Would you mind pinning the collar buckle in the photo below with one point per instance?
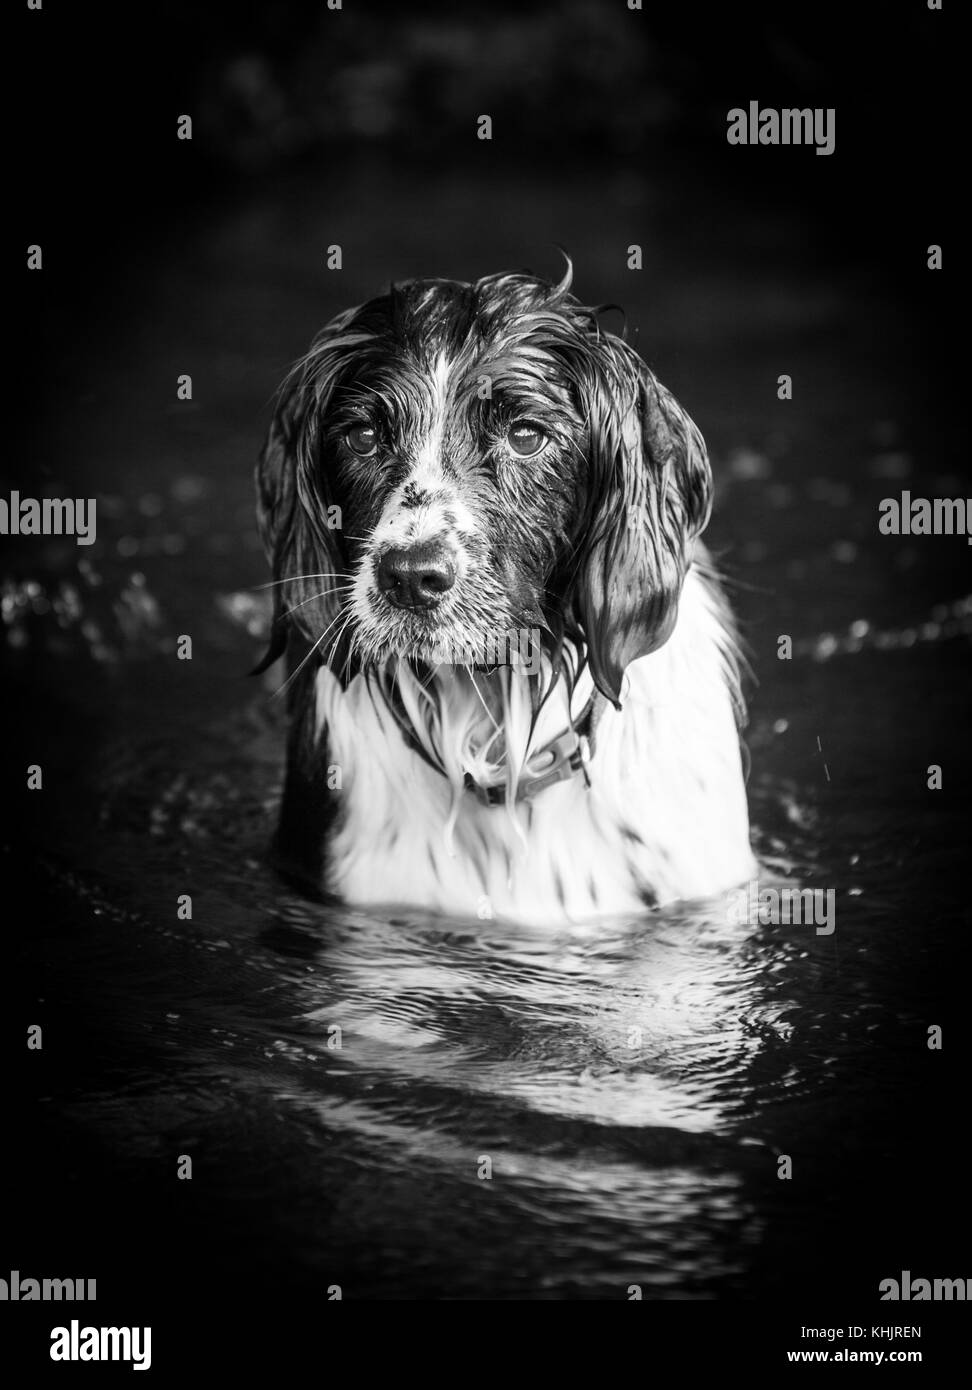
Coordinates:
(569, 754)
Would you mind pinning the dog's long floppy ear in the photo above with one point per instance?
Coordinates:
(650, 496)
(299, 526)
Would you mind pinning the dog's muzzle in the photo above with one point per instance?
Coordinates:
(418, 576)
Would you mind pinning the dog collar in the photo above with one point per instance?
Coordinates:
(557, 761)
(562, 758)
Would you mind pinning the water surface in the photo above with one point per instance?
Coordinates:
(632, 1084)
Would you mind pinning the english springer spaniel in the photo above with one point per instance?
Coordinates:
(513, 676)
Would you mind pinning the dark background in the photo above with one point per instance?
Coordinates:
(358, 127)
(576, 88)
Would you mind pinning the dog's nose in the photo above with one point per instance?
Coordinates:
(416, 577)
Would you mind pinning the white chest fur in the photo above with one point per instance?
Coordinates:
(665, 816)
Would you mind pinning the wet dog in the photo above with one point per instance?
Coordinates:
(513, 675)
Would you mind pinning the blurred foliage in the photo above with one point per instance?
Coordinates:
(270, 82)
(576, 73)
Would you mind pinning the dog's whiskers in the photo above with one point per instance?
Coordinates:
(303, 663)
(295, 578)
(323, 592)
(352, 645)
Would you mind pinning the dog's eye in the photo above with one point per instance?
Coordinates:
(362, 440)
(526, 439)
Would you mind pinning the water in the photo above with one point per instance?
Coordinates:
(631, 1084)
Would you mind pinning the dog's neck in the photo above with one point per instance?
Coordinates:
(500, 733)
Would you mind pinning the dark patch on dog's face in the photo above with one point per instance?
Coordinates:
(530, 460)
(442, 384)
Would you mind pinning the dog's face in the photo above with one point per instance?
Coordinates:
(451, 463)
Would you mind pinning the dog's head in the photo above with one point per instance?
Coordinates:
(454, 461)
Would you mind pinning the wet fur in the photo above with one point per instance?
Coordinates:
(594, 543)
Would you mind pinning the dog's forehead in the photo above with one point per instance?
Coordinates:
(505, 358)
(430, 318)
(437, 350)
(433, 317)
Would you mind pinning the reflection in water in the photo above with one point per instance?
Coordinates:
(599, 1072)
(628, 1087)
